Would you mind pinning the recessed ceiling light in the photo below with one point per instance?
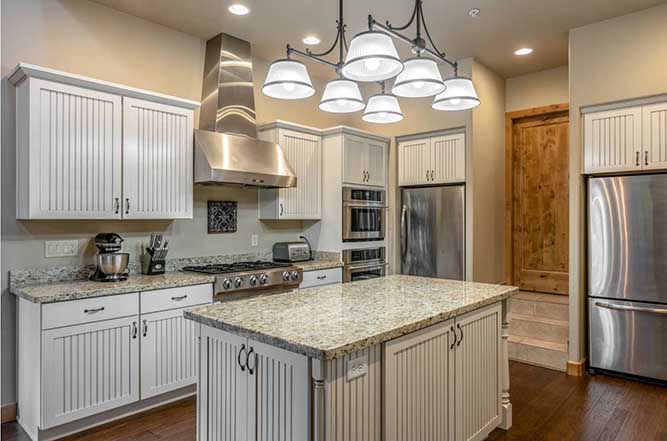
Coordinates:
(311, 40)
(238, 9)
(474, 12)
(523, 51)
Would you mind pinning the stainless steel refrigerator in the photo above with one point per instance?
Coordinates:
(433, 232)
(627, 274)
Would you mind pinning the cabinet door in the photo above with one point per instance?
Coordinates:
(168, 352)
(355, 160)
(613, 140)
(654, 136)
(448, 159)
(278, 385)
(87, 369)
(304, 153)
(478, 373)
(414, 159)
(74, 155)
(376, 170)
(419, 385)
(157, 161)
(223, 387)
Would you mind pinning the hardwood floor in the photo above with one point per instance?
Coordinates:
(547, 405)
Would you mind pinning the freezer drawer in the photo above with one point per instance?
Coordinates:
(628, 337)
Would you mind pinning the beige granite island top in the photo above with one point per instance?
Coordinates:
(83, 289)
(331, 321)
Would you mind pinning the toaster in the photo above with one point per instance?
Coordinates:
(291, 251)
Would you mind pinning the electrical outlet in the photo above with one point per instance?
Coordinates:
(61, 248)
(357, 367)
(254, 240)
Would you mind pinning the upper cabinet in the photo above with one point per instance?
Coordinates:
(88, 149)
(364, 161)
(303, 151)
(435, 160)
(628, 139)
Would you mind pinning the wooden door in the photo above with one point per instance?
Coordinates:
(278, 392)
(355, 160)
(168, 352)
(613, 140)
(478, 371)
(88, 369)
(419, 384)
(654, 135)
(414, 158)
(74, 165)
(376, 168)
(448, 159)
(303, 151)
(540, 203)
(157, 161)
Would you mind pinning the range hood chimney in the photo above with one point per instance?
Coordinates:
(227, 150)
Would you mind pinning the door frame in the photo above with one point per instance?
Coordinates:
(510, 119)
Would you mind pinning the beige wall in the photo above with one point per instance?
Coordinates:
(617, 59)
(537, 89)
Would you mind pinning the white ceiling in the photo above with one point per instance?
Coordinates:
(491, 38)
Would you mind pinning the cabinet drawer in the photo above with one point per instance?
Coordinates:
(77, 312)
(321, 277)
(181, 297)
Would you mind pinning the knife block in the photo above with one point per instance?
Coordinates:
(152, 265)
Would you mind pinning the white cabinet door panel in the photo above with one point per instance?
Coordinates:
(414, 162)
(157, 161)
(168, 352)
(303, 151)
(613, 140)
(655, 136)
(355, 160)
(74, 155)
(88, 369)
(447, 161)
(376, 169)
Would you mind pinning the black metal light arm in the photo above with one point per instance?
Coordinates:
(291, 50)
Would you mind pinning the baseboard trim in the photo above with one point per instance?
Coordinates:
(576, 368)
(8, 413)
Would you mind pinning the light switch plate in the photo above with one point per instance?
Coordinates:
(254, 240)
(357, 367)
(61, 248)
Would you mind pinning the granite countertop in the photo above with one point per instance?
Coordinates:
(82, 289)
(319, 264)
(330, 321)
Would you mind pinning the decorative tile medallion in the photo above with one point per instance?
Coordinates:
(222, 216)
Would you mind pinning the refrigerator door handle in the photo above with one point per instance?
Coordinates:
(404, 230)
(630, 308)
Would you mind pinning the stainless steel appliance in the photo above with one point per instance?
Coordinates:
(111, 264)
(246, 279)
(292, 251)
(226, 148)
(433, 232)
(363, 264)
(627, 274)
(364, 214)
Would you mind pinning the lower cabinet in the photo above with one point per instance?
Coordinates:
(321, 277)
(444, 382)
(250, 391)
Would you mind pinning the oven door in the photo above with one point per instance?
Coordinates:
(354, 273)
(363, 221)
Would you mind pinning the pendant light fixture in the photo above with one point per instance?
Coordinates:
(372, 57)
(460, 94)
(383, 108)
(288, 80)
(421, 77)
(341, 96)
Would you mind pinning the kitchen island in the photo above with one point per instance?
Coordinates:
(394, 358)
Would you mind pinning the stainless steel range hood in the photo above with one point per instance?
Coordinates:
(227, 150)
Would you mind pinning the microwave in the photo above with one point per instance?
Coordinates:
(364, 214)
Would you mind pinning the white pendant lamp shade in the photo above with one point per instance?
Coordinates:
(420, 78)
(372, 57)
(341, 96)
(382, 109)
(288, 80)
(460, 94)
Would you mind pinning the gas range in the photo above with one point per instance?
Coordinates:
(240, 277)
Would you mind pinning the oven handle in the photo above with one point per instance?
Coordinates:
(404, 230)
(369, 265)
(364, 205)
(630, 308)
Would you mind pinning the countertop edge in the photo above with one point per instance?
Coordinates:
(340, 351)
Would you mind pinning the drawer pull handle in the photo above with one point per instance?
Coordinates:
(453, 332)
(179, 298)
(238, 357)
(251, 370)
(145, 328)
(135, 330)
(322, 277)
(93, 311)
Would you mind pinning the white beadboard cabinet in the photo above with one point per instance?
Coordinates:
(444, 382)
(654, 119)
(432, 160)
(250, 391)
(364, 161)
(90, 149)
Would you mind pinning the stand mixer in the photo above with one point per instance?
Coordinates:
(111, 264)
